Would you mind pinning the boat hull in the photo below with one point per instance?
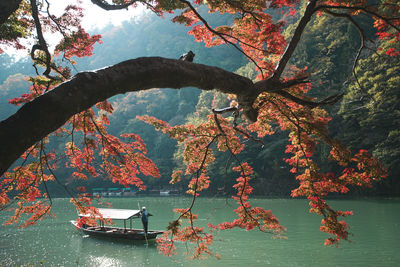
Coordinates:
(117, 232)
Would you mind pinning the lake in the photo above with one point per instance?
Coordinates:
(54, 242)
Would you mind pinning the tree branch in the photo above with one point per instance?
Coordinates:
(365, 10)
(295, 39)
(106, 6)
(311, 104)
(42, 42)
(363, 38)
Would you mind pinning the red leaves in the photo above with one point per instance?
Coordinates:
(79, 44)
(39, 86)
(187, 17)
(106, 106)
(198, 155)
(191, 234)
(369, 169)
(254, 32)
(76, 42)
(315, 186)
(197, 140)
(176, 177)
(83, 204)
(123, 161)
(249, 217)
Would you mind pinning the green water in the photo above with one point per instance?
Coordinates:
(54, 242)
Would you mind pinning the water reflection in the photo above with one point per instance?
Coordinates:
(97, 251)
(55, 242)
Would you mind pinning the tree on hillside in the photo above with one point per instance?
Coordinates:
(379, 113)
(61, 104)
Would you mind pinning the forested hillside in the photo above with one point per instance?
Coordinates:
(363, 120)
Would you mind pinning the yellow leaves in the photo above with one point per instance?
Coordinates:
(176, 177)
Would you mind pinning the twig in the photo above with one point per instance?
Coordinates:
(220, 34)
(42, 42)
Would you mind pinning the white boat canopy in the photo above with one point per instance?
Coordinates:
(116, 214)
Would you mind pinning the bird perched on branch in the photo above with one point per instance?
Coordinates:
(187, 56)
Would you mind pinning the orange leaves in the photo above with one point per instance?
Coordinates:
(23, 185)
(158, 124)
(192, 234)
(202, 34)
(138, 143)
(186, 214)
(4, 199)
(35, 210)
(369, 169)
(92, 152)
(308, 127)
(198, 184)
(123, 161)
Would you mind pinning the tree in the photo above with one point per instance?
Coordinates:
(277, 99)
(379, 112)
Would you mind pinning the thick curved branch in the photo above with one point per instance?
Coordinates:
(36, 119)
(50, 111)
(271, 85)
(7, 7)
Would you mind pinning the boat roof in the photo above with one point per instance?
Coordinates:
(116, 214)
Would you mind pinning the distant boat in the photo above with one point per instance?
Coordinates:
(117, 232)
(168, 192)
(164, 192)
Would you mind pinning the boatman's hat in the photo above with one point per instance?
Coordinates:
(143, 208)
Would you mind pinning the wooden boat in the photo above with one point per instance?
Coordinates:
(117, 232)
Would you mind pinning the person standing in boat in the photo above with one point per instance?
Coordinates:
(145, 219)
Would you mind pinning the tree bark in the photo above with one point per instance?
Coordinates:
(45, 114)
(7, 7)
